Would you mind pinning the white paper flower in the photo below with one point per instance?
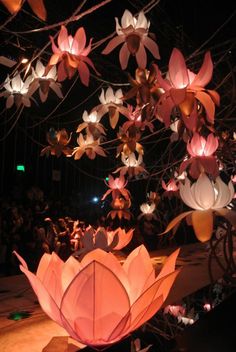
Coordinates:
(45, 80)
(17, 91)
(111, 103)
(206, 198)
(133, 33)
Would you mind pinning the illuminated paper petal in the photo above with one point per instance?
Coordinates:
(176, 221)
(208, 104)
(202, 221)
(37, 6)
(178, 70)
(13, 6)
(205, 73)
(100, 307)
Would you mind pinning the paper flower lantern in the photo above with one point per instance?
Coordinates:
(117, 188)
(171, 188)
(207, 198)
(58, 141)
(17, 91)
(202, 158)
(135, 121)
(147, 211)
(132, 166)
(44, 80)
(72, 55)
(133, 32)
(129, 143)
(120, 208)
(111, 103)
(144, 87)
(124, 237)
(89, 146)
(92, 124)
(93, 239)
(37, 7)
(103, 239)
(98, 300)
(185, 90)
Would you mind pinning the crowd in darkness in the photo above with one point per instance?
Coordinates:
(32, 225)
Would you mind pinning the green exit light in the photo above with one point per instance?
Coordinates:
(20, 168)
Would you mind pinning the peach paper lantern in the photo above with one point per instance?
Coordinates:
(98, 300)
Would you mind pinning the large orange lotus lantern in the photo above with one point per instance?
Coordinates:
(72, 55)
(207, 198)
(185, 90)
(98, 300)
(117, 188)
(202, 158)
(58, 143)
(133, 32)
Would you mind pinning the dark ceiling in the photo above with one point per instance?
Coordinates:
(188, 25)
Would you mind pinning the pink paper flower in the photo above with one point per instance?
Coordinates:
(185, 90)
(99, 301)
(202, 158)
(117, 188)
(170, 188)
(72, 55)
(135, 120)
(133, 32)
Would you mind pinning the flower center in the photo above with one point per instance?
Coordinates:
(133, 42)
